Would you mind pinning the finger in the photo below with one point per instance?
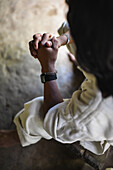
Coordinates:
(72, 58)
(45, 38)
(55, 43)
(37, 35)
(48, 44)
(37, 38)
(32, 50)
(36, 42)
(59, 41)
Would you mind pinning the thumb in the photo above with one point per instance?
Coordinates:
(55, 43)
(48, 44)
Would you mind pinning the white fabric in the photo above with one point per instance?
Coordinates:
(29, 122)
(86, 117)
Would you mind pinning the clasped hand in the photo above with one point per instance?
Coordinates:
(44, 48)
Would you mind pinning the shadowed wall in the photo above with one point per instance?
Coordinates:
(19, 72)
(20, 81)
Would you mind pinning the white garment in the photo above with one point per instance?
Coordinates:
(86, 117)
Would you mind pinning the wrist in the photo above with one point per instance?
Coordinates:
(48, 69)
(63, 39)
(48, 76)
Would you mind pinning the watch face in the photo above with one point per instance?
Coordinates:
(43, 78)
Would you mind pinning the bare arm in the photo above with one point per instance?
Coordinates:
(47, 58)
(62, 39)
(52, 95)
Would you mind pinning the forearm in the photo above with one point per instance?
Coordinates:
(47, 57)
(62, 39)
(52, 95)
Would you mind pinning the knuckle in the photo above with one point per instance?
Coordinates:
(30, 43)
(42, 43)
(56, 42)
(39, 39)
(34, 43)
(44, 34)
(56, 49)
(31, 53)
(34, 36)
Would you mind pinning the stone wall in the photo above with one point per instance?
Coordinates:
(20, 82)
(19, 72)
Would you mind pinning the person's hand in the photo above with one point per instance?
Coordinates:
(46, 54)
(34, 45)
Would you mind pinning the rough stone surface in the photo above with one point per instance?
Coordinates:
(20, 82)
(19, 72)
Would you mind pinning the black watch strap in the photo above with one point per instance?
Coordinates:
(48, 77)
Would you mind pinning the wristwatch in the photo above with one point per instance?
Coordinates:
(48, 76)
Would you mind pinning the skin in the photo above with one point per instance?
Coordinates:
(47, 57)
(50, 88)
(46, 52)
(35, 43)
(44, 48)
